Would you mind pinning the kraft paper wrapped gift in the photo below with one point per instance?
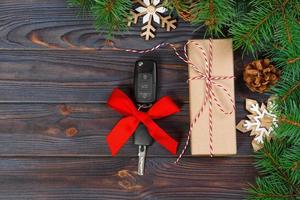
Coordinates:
(223, 125)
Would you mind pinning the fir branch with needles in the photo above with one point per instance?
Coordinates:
(109, 15)
(215, 15)
(272, 27)
(278, 165)
(268, 22)
(278, 162)
(84, 5)
(288, 89)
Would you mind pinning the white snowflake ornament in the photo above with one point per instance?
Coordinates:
(261, 122)
(151, 10)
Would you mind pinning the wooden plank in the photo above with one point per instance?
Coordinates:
(89, 77)
(80, 130)
(58, 76)
(93, 178)
(51, 24)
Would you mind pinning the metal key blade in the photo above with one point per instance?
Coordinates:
(142, 157)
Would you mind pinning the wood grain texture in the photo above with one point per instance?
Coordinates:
(45, 24)
(89, 77)
(88, 178)
(79, 130)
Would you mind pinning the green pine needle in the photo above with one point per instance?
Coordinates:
(270, 188)
(278, 164)
(279, 161)
(84, 5)
(211, 14)
(270, 24)
(288, 89)
(272, 27)
(109, 15)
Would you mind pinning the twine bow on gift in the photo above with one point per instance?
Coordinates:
(210, 82)
(124, 129)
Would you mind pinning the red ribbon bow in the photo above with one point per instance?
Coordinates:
(124, 129)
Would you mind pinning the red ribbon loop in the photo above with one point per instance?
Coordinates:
(124, 129)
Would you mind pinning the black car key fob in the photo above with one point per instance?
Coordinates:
(145, 81)
(145, 89)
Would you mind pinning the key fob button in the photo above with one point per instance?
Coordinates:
(145, 76)
(145, 86)
(142, 95)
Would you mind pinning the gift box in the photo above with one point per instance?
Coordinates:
(211, 88)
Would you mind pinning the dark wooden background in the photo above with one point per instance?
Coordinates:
(55, 76)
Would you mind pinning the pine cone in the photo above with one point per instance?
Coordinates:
(259, 75)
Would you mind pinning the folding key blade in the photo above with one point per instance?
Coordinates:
(142, 157)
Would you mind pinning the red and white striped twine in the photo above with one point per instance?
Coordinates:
(209, 80)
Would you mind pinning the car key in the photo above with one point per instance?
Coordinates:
(143, 140)
(145, 89)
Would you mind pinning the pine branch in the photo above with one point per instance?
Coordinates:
(276, 163)
(290, 91)
(268, 22)
(109, 15)
(84, 5)
(280, 171)
(249, 34)
(287, 28)
(212, 18)
(295, 166)
(284, 119)
(211, 14)
(81, 3)
(287, 58)
(257, 194)
(253, 31)
(293, 60)
(182, 7)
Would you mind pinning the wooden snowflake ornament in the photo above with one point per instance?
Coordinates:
(151, 11)
(260, 123)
